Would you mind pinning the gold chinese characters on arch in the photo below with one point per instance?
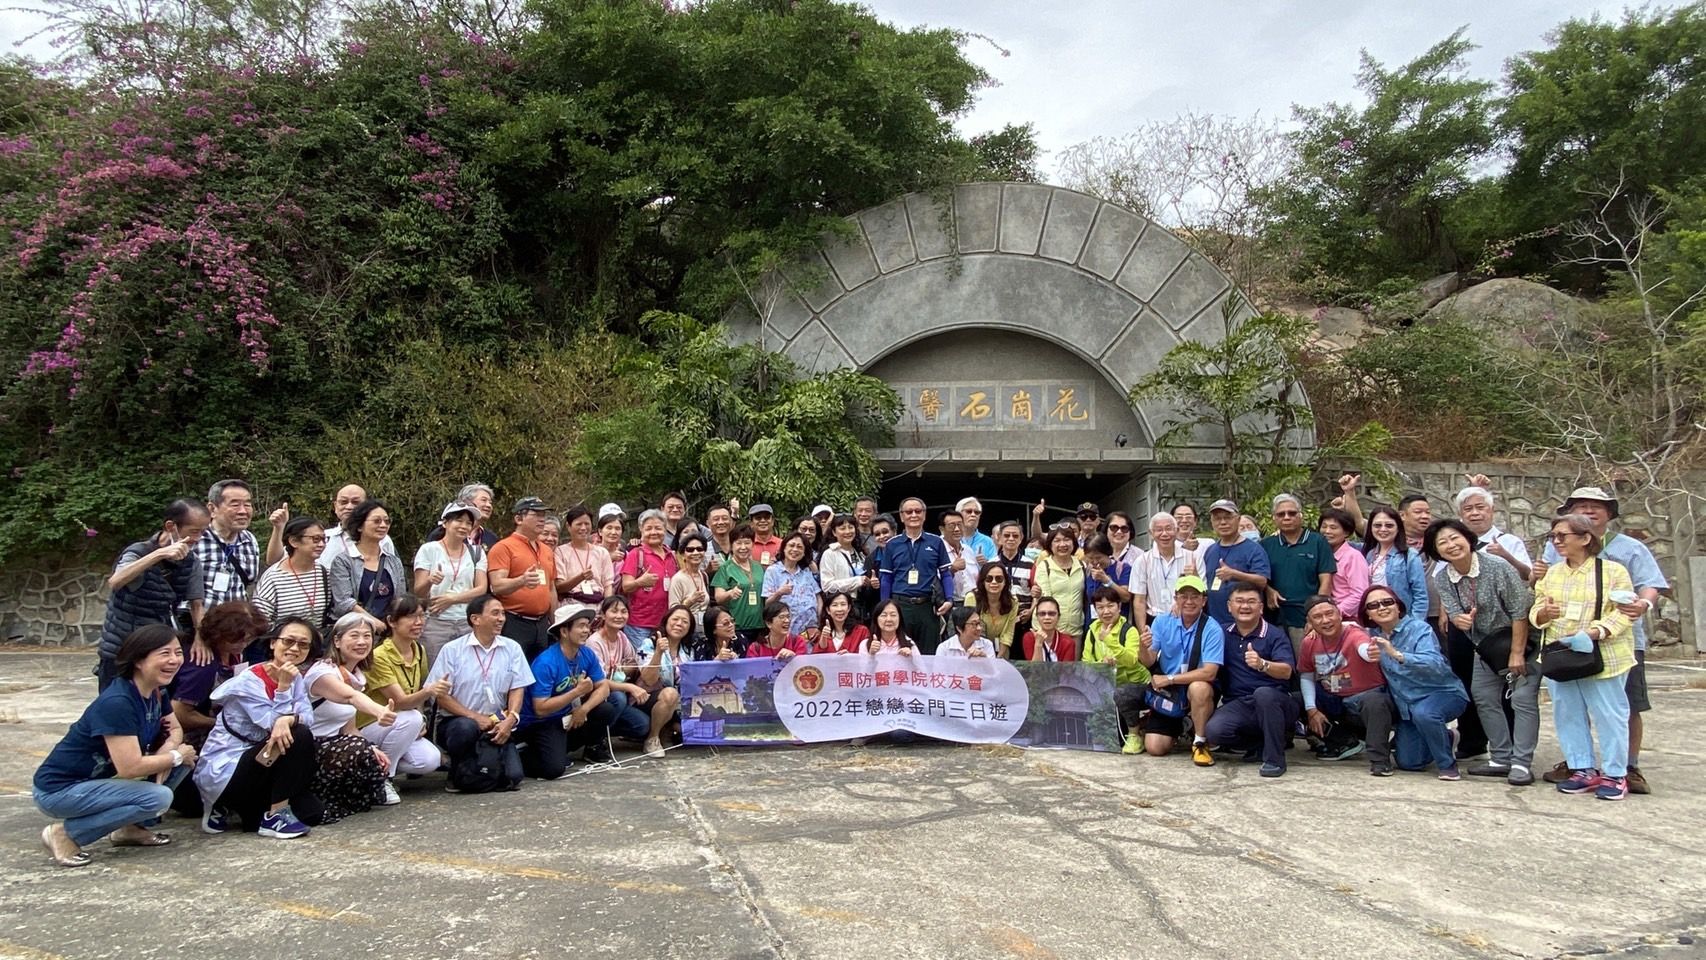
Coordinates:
(1016, 405)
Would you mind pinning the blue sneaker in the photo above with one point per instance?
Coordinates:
(1581, 781)
(1273, 770)
(282, 825)
(213, 820)
(1613, 788)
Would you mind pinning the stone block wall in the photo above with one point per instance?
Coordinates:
(1528, 497)
(57, 603)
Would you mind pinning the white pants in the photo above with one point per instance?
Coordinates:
(402, 742)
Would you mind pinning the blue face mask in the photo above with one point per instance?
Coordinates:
(1251, 534)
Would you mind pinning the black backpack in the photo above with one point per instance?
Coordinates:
(483, 770)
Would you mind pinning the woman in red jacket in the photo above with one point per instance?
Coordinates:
(1045, 641)
(836, 630)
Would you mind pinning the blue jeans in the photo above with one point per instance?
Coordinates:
(1583, 708)
(1422, 736)
(641, 639)
(629, 722)
(94, 808)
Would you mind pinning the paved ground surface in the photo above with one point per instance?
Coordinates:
(922, 851)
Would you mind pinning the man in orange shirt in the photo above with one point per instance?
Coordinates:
(520, 571)
(766, 545)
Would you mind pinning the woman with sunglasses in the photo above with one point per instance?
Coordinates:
(995, 606)
(1045, 640)
(259, 762)
(1391, 562)
(296, 587)
(688, 586)
(1578, 604)
(1425, 692)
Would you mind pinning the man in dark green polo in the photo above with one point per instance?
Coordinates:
(1303, 566)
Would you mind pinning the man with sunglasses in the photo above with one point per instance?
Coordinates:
(1302, 564)
(1089, 522)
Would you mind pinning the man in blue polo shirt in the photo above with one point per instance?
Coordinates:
(1601, 508)
(1231, 561)
(568, 707)
(912, 567)
(1255, 708)
(1301, 565)
(1184, 653)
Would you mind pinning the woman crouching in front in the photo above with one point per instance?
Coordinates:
(107, 776)
(258, 763)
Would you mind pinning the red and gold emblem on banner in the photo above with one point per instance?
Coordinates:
(808, 681)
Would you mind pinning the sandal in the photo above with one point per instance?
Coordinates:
(150, 839)
(78, 859)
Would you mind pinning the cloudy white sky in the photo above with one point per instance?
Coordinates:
(1083, 68)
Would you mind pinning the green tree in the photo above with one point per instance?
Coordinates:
(1606, 102)
(1008, 154)
(712, 418)
(1246, 389)
(1370, 192)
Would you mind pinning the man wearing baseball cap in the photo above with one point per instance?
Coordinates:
(1600, 508)
(1231, 560)
(1184, 654)
(1089, 522)
(766, 545)
(522, 572)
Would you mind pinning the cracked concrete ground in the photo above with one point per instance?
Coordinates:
(885, 852)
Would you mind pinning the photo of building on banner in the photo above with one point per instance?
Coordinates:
(831, 697)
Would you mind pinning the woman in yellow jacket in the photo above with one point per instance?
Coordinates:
(1060, 574)
(1576, 604)
(1113, 640)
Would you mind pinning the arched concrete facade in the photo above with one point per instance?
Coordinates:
(986, 262)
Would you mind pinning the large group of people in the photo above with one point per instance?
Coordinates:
(276, 691)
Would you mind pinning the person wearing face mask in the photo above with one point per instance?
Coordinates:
(522, 572)
(151, 579)
(1248, 528)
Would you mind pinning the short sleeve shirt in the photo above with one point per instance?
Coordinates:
(387, 668)
(1173, 642)
(82, 754)
(647, 605)
(458, 574)
(1339, 667)
(1270, 643)
(1245, 555)
(748, 608)
(481, 678)
(554, 673)
(1296, 571)
(513, 555)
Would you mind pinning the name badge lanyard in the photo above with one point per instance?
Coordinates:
(486, 672)
(312, 595)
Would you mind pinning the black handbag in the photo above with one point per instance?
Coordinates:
(1495, 649)
(1559, 662)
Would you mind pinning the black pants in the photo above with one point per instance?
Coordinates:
(549, 745)
(458, 735)
(527, 631)
(1460, 651)
(255, 788)
(921, 623)
(1130, 702)
(1263, 719)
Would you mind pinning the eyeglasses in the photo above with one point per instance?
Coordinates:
(996, 579)
(693, 550)
(1380, 604)
(1561, 535)
(1089, 516)
(319, 539)
(291, 642)
(1287, 513)
(1118, 528)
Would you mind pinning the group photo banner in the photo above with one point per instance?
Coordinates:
(827, 697)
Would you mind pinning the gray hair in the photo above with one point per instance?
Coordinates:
(1161, 515)
(216, 493)
(969, 502)
(1470, 493)
(1287, 498)
(653, 514)
(466, 494)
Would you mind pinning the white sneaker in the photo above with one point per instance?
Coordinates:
(388, 796)
(654, 747)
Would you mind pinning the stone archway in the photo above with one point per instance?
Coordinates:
(1103, 284)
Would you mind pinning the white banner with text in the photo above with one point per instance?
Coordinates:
(837, 697)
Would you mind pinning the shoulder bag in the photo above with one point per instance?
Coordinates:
(1559, 662)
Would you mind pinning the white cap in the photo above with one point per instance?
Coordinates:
(823, 508)
(612, 510)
